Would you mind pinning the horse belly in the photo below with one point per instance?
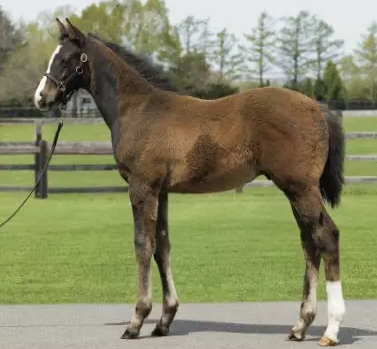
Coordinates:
(222, 178)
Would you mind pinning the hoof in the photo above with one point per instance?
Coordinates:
(130, 334)
(159, 331)
(327, 342)
(294, 338)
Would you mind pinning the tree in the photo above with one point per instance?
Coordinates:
(194, 34)
(326, 48)
(259, 47)
(154, 29)
(142, 26)
(356, 86)
(205, 37)
(225, 57)
(105, 17)
(366, 56)
(295, 46)
(348, 68)
(10, 37)
(333, 82)
(319, 89)
(306, 87)
(46, 22)
(191, 72)
(26, 65)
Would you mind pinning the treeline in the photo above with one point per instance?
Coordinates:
(301, 50)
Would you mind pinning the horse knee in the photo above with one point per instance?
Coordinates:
(144, 245)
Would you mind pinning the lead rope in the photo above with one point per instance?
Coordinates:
(40, 176)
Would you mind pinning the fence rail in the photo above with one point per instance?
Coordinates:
(41, 148)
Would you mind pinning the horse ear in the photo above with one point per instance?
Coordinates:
(75, 34)
(61, 27)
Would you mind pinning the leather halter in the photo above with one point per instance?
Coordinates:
(62, 84)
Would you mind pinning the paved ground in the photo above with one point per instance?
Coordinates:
(205, 326)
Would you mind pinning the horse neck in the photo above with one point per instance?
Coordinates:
(111, 79)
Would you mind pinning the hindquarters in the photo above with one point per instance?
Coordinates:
(301, 144)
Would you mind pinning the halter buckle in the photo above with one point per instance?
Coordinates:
(79, 70)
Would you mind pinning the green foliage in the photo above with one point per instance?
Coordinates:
(105, 17)
(319, 90)
(10, 37)
(200, 61)
(215, 90)
(191, 71)
(366, 55)
(354, 83)
(333, 82)
(306, 87)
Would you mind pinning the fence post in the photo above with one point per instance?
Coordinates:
(37, 141)
(40, 159)
(43, 155)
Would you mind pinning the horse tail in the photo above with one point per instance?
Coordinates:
(332, 178)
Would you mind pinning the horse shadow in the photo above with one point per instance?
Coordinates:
(180, 327)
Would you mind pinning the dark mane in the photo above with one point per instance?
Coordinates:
(154, 75)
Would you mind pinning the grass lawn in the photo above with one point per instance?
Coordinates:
(226, 247)
(360, 124)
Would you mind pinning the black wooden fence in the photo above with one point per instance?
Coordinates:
(40, 148)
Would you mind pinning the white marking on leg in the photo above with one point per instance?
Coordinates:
(336, 309)
(42, 83)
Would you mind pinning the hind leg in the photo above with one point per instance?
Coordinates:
(308, 308)
(162, 258)
(325, 236)
(328, 240)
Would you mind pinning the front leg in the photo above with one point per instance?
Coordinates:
(144, 201)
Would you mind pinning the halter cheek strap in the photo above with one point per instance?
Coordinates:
(62, 84)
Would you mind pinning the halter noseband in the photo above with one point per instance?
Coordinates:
(62, 84)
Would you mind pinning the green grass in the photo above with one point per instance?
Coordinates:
(226, 247)
(69, 132)
(360, 124)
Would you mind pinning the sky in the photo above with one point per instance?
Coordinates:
(349, 19)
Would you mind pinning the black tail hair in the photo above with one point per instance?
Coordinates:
(332, 179)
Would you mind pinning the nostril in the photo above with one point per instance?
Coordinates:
(41, 98)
